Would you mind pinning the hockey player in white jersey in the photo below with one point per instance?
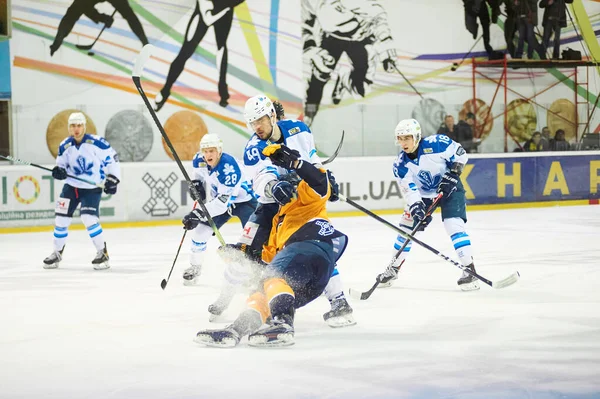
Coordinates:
(90, 157)
(230, 194)
(423, 169)
(273, 192)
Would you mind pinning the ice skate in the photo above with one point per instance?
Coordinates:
(191, 275)
(100, 262)
(466, 282)
(387, 278)
(340, 314)
(53, 261)
(222, 338)
(280, 332)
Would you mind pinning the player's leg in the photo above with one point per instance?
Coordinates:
(200, 237)
(340, 314)
(123, 7)
(222, 28)
(90, 212)
(406, 224)
(65, 206)
(454, 215)
(74, 12)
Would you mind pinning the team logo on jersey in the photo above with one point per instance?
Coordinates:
(160, 202)
(428, 150)
(82, 167)
(429, 182)
(326, 228)
(460, 151)
(228, 169)
(294, 130)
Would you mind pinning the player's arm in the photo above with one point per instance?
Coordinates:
(229, 182)
(261, 171)
(456, 158)
(110, 161)
(406, 181)
(59, 172)
(199, 176)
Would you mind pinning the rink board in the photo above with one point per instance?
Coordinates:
(157, 191)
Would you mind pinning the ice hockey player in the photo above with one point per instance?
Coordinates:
(261, 118)
(91, 157)
(423, 169)
(301, 253)
(230, 195)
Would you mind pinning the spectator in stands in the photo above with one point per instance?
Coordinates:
(546, 138)
(448, 128)
(527, 19)
(534, 143)
(558, 143)
(464, 133)
(555, 18)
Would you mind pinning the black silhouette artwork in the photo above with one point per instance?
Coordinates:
(330, 28)
(87, 8)
(207, 13)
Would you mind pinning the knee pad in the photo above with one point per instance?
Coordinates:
(62, 221)
(454, 225)
(89, 220)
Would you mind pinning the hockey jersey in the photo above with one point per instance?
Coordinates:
(304, 218)
(92, 159)
(225, 184)
(420, 178)
(296, 135)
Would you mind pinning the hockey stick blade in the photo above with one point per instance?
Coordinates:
(362, 296)
(141, 59)
(508, 281)
(337, 151)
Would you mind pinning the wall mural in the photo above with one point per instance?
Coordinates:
(337, 64)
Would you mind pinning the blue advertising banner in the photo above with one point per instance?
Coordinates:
(4, 70)
(504, 180)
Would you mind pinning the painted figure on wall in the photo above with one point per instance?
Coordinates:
(87, 8)
(331, 28)
(207, 13)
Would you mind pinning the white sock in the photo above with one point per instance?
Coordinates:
(61, 232)
(400, 240)
(94, 229)
(197, 252)
(334, 289)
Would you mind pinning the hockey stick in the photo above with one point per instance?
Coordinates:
(17, 160)
(137, 71)
(407, 81)
(337, 151)
(365, 295)
(510, 280)
(455, 65)
(163, 284)
(89, 46)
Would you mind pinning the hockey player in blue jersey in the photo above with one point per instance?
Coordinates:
(218, 174)
(261, 118)
(91, 157)
(423, 169)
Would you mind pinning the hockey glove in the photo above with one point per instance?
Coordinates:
(282, 155)
(193, 219)
(283, 192)
(448, 184)
(110, 184)
(335, 188)
(418, 212)
(199, 188)
(59, 173)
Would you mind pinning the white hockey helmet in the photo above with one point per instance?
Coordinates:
(408, 127)
(256, 107)
(211, 140)
(77, 118)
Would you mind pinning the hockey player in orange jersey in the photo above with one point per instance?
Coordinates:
(301, 253)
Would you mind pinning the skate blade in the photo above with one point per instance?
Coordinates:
(101, 266)
(341, 321)
(385, 285)
(207, 340)
(474, 286)
(262, 341)
(52, 266)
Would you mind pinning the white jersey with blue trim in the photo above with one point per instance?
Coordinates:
(225, 184)
(92, 159)
(296, 135)
(420, 178)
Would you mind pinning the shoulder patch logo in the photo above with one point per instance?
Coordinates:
(428, 150)
(294, 130)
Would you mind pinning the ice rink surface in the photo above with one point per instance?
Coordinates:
(79, 333)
